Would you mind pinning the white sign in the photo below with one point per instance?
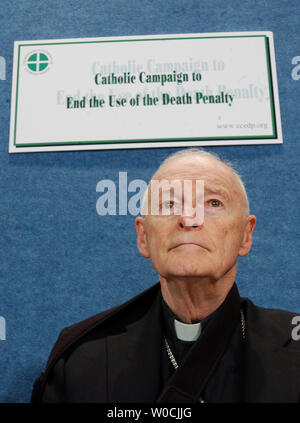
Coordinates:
(151, 91)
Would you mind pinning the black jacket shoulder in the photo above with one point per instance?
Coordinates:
(79, 332)
(275, 325)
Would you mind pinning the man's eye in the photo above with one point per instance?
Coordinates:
(168, 205)
(215, 203)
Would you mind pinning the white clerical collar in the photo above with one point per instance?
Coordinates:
(187, 331)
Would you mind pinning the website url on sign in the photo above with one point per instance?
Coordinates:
(246, 125)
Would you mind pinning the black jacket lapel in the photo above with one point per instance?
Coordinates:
(134, 359)
(273, 380)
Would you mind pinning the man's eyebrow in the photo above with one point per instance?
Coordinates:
(208, 189)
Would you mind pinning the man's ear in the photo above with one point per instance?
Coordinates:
(141, 237)
(247, 240)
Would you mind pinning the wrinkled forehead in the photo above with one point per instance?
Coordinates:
(215, 176)
(213, 172)
(197, 168)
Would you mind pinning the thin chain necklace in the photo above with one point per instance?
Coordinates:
(173, 359)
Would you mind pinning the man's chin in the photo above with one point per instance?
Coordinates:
(188, 271)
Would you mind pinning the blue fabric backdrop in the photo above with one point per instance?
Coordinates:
(60, 261)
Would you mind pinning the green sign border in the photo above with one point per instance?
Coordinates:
(147, 140)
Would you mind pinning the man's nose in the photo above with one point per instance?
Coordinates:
(191, 219)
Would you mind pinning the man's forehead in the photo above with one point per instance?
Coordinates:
(195, 168)
(217, 177)
(165, 185)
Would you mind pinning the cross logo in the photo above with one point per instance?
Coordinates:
(38, 62)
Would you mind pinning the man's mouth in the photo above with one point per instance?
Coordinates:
(187, 244)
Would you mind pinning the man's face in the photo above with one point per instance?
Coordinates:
(186, 246)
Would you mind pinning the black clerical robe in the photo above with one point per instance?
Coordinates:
(119, 356)
(230, 370)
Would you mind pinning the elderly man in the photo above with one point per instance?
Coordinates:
(190, 338)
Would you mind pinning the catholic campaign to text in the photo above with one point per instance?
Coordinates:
(127, 78)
